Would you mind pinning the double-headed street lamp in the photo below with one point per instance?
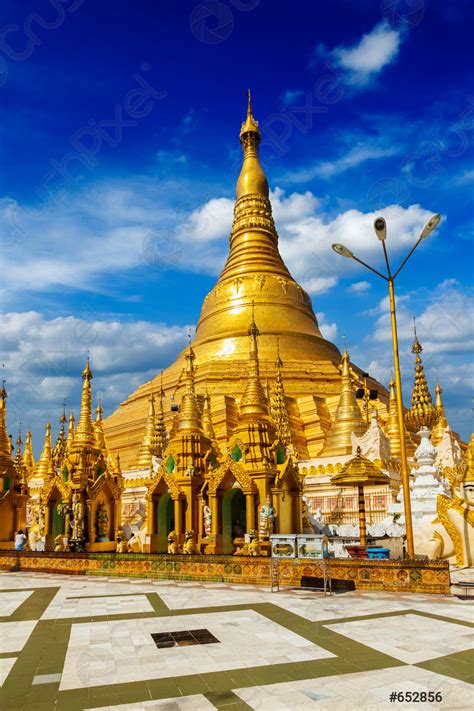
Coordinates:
(380, 227)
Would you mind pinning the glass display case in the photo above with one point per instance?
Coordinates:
(312, 546)
(283, 546)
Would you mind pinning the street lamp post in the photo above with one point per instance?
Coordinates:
(380, 227)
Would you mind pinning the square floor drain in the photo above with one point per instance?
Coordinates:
(183, 638)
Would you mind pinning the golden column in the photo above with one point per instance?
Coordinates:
(381, 231)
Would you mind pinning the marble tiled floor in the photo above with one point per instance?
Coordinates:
(85, 643)
(114, 651)
(395, 636)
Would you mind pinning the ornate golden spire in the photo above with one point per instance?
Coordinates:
(71, 430)
(59, 450)
(85, 433)
(252, 180)
(207, 425)
(160, 438)
(6, 459)
(253, 404)
(348, 417)
(99, 431)
(44, 465)
(278, 410)
(393, 430)
(146, 447)
(421, 413)
(255, 271)
(28, 459)
(189, 415)
(442, 423)
(20, 469)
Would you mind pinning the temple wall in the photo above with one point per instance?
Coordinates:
(397, 576)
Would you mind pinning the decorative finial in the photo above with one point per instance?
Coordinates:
(421, 413)
(416, 347)
(249, 105)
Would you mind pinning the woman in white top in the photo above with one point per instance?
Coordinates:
(20, 540)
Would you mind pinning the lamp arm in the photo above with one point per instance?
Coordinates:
(407, 257)
(385, 254)
(367, 266)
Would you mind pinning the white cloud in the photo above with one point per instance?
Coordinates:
(289, 96)
(367, 57)
(109, 230)
(44, 359)
(356, 155)
(329, 330)
(445, 325)
(464, 178)
(360, 287)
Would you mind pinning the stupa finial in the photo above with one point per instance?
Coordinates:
(421, 413)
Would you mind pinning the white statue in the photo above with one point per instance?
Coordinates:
(267, 519)
(449, 453)
(155, 463)
(207, 512)
(374, 444)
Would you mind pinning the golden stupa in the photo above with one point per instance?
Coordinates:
(255, 283)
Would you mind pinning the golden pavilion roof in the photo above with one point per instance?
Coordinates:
(360, 471)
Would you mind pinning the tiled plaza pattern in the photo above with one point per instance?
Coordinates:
(71, 642)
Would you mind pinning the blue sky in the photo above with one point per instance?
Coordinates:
(118, 158)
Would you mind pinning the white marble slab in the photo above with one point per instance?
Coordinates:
(111, 652)
(364, 690)
(409, 638)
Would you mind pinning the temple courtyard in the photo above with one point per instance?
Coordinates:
(77, 642)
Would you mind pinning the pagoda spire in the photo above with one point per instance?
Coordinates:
(421, 413)
(207, 419)
(189, 415)
(442, 423)
(278, 409)
(348, 417)
(85, 433)
(70, 432)
(44, 465)
(146, 447)
(252, 179)
(254, 260)
(253, 404)
(28, 458)
(160, 438)
(99, 430)
(59, 450)
(393, 430)
(20, 469)
(6, 459)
